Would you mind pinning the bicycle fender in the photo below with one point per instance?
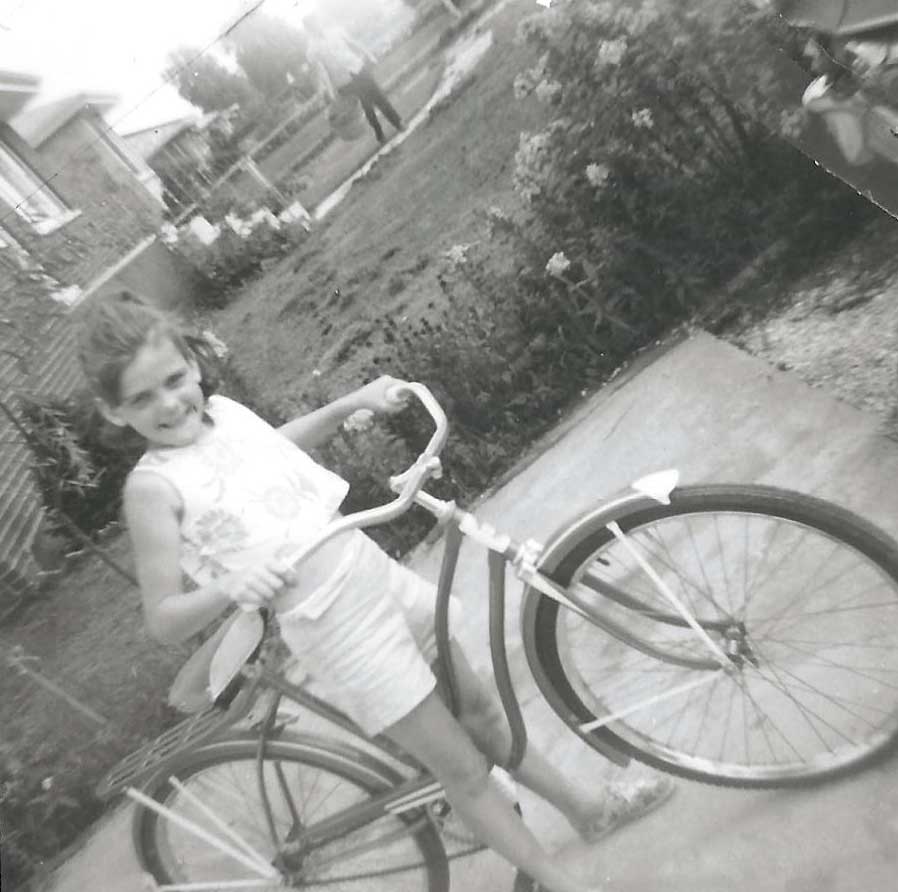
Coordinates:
(600, 516)
(646, 492)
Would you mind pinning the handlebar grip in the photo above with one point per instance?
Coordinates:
(397, 394)
(434, 409)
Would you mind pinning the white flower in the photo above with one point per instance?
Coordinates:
(548, 91)
(360, 420)
(557, 264)
(611, 52)
(643, 119)
(792, 122)
(219, 347)
(457, 254)
(523, 86)
(496, 218)
(597, 174)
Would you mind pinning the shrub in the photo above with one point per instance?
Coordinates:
(231, 260)
(508, 351)
(663, 165)
(38, 818)
(78, 474)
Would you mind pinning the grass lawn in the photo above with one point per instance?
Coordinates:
(375, 254)
(378, 251)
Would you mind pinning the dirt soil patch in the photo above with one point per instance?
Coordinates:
(836, 326)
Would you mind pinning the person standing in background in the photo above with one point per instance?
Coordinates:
(340, 64)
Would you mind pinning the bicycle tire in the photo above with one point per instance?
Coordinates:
(782, 673)
(328, 777)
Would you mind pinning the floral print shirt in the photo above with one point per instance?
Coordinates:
(247, 492)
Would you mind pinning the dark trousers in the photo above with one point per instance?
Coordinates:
(371, 96)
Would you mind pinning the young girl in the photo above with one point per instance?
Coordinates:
(229, 500)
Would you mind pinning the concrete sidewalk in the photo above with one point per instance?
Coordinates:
(718, 415)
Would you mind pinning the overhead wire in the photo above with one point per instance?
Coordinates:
(109, 128)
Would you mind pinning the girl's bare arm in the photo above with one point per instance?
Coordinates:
(151, 510)
(308, 431)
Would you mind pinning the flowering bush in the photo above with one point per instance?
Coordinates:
(663, 164)
(233, 259)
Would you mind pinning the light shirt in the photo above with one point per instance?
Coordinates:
(340, 60)
(248, 493)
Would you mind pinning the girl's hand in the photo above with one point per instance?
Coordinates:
(257, 585)
(377, 396)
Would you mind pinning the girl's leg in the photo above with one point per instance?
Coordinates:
(431, 734)
(482, 716)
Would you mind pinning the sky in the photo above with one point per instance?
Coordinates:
(116, 46)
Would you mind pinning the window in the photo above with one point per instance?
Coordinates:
(11, 249)
(22, 190)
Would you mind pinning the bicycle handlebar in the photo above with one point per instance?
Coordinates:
(407, 484)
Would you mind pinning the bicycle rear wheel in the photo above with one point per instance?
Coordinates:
(801, 595)
(387, 853)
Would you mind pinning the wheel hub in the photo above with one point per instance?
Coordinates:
(737, 645)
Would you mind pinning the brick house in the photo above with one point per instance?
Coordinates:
(180, 152)
(76, 206)
(113, 197)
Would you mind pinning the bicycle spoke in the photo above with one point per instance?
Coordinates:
(763, 721)
(804, 711)
(667, 593)
(791, 606)
(655, 559)
(860, 671)
(723, 566)
(670, 564)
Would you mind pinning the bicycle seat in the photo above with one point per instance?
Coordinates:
(240, 645)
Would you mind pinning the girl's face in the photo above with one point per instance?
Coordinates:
(160, 394)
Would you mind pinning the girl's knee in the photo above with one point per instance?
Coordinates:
(431, 734)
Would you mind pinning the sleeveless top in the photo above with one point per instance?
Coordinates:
(247, 492)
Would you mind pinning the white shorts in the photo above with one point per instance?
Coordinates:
(372, 646)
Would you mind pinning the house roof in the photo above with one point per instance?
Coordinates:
(16, 89)
(148, 140)
(36, 125)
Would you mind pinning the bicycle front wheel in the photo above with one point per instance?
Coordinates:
(306, 782)
(799, 595)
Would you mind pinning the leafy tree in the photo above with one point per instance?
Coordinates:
(272, 54)
(204, 81)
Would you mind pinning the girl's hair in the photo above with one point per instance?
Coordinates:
(116, 326)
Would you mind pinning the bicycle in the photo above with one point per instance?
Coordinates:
(733, 634)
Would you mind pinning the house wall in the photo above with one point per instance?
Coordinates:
(160, 274)
(117, 211)
(50, 361)
(117, 214)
